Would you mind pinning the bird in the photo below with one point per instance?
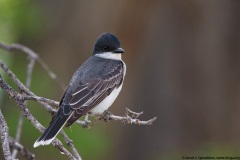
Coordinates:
(93, 87)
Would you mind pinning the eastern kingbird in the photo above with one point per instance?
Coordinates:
(93, 88)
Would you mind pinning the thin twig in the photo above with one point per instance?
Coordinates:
(41, 99)
(20, 120)
(128, 119)
(71, 145)
(134, 114)
(29, 72)
(33, 55)
(18, 133)
(21, 86)
(14, 47)
(4, 138)
(26, 153)
(11, 75)
(30, 53)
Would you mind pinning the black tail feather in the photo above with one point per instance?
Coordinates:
(53, 129)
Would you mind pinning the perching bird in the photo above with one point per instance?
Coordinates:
(93, 88)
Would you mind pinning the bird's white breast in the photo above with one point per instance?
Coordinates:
(107, 102)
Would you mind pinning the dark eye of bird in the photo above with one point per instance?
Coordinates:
(105, 47)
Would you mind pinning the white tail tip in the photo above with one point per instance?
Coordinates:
(42, 143)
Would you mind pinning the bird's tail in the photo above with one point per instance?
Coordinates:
(53, 129)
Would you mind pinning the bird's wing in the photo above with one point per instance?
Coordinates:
(88, 95)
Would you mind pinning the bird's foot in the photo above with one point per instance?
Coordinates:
(106, 116)
(86, 121)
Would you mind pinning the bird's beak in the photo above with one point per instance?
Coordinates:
(118, 50)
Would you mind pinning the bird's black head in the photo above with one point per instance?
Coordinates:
(107, 42)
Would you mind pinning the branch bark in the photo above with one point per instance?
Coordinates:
(4, 137)
(20, 102)
(16, 145)
(30, 67)
(131, 119)
(30, 53)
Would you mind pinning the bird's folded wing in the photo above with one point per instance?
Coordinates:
(87, 95)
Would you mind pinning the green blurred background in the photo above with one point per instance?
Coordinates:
(183, 66)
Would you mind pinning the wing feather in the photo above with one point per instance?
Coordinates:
(87, 95)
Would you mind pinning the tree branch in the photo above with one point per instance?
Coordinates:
(31, 96)
(132, 119)
(20, 102)
(32, 55)
(71, 145)
(4, 138)
(22, 87)
(30, 66)
(26, 153)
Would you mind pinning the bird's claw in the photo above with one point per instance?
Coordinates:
(106, 116)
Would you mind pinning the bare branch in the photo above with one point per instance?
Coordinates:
(29, 72)
(29, 52)
(18, 133)
(40, 99)
(26, 153)
(31, 96)
(14, 78)
(15, 96)
(134, 114)
(4, 138)
(70, 144)
(14, 47)
(43, 101)
(32, 55)
(22, 87)
(20, 120)
(128, 119)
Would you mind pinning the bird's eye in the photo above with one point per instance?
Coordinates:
(105, 47)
